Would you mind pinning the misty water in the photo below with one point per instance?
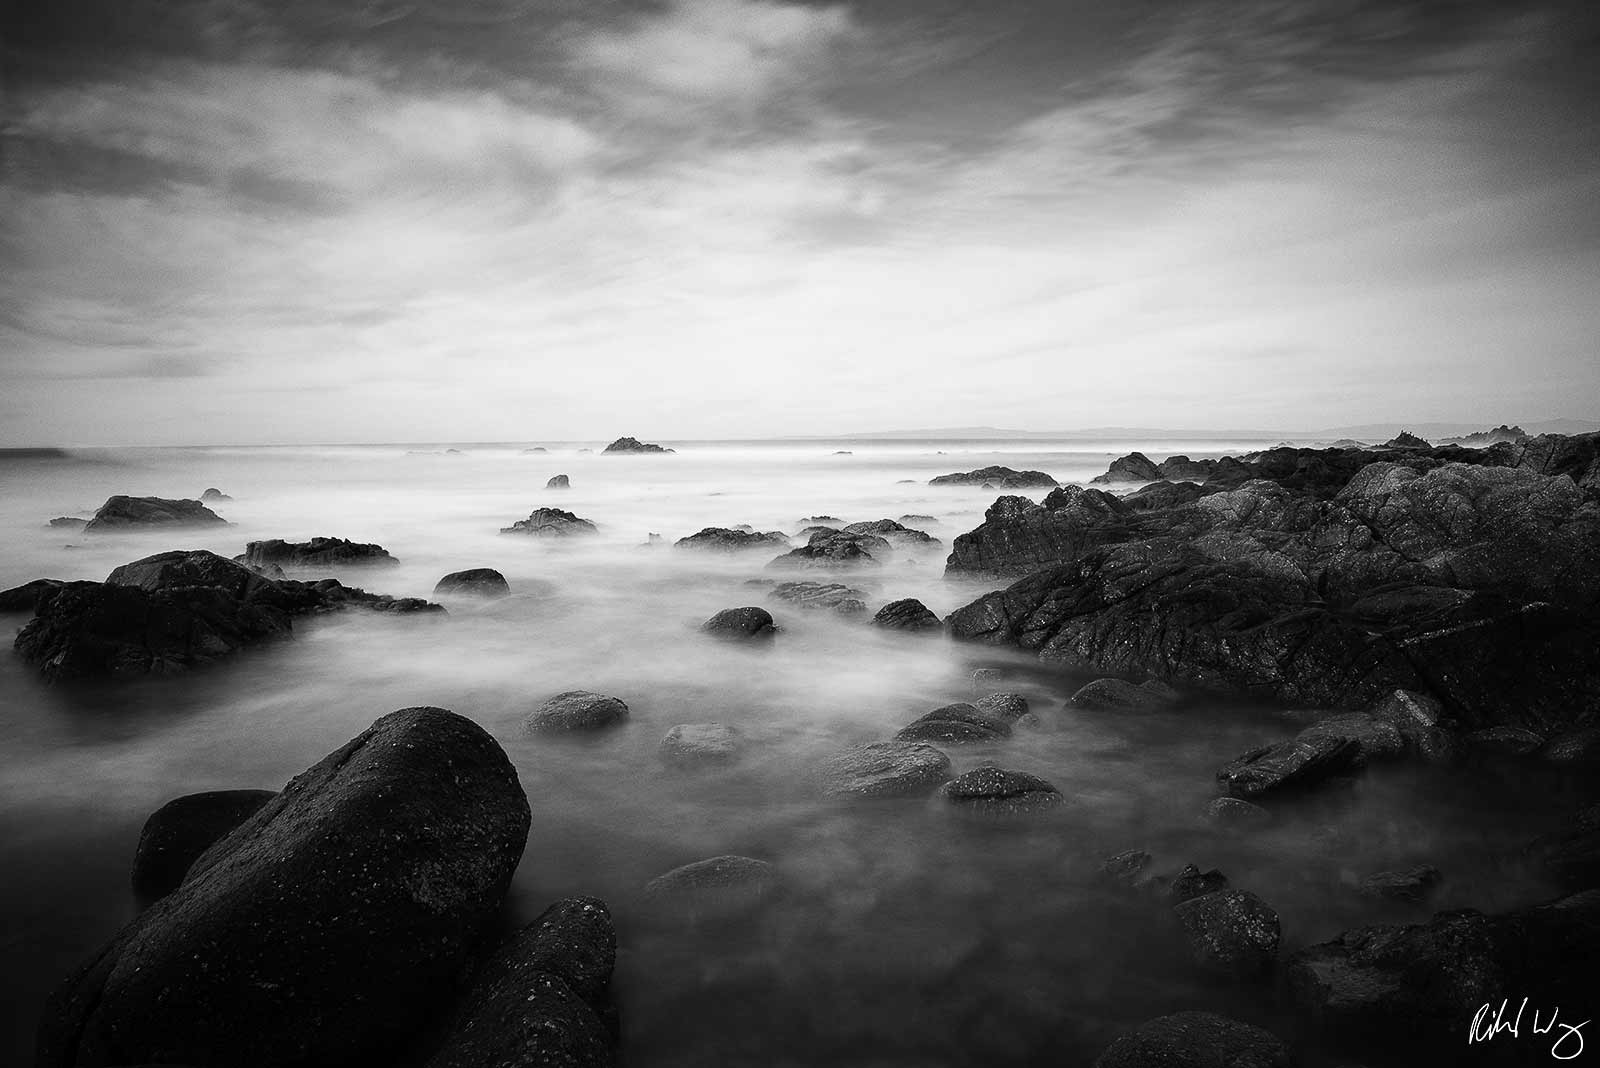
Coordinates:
(904, 935)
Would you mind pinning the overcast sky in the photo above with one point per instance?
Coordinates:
(307, 220)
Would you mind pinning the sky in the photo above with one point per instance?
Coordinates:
(254, 221)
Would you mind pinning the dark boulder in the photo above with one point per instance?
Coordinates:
(1298, 764)
(906, 614)
(550, 523)
(29, 596)
(121, 513)
(1018, 537)
(558, 482)
(1130, 868)
(713, 887)
(474, 582)
(1005, 707)
(626, 444)
(741, 624)
(995, 791)
(543, 998)
(329, 928)
(885, 769)
(1406, 440)
(830, 549)
(1183, 469)
(955, 724)
(1236, 812)
(1134, 467)
(179, 831)
(316, 553)
(997, 478)
(1196, 1040)
(896, 534)
(1231, 931)
(575, 710)
(1574, 749)
(1191, 883)
(725, 539)
(1119, 695)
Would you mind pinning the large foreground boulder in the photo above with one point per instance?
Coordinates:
(314, 554)
(178, 832)
(550, 523)
(122, 513)
(1196, 1040)
(328, 929)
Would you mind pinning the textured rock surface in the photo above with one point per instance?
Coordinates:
(550, 523)
(885, 769)
(845, 600)
(906, 614)
(699, 743)
(997, 477)
(29, 596)
(995, 791)
(725, 539)
(179, 831)
(1134, 467)
(327, 928)
(751, 623)
(957, 723)
(474, 582)
(1119, 695)
(715, 886)
(575, 710)
(316, 553)
(830, 548)
(1231, 931)
(121, 513)
(626, 444)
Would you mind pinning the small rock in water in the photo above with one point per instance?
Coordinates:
(1231, 931)
(992, 790)
(474, 582)
(845, 600)
(986, 679)
(741, 624)
(954, 724)
(885, 769)
(1009, 707)
(179, 831)
(695, 743)
(575, 710)
(1196, 1040)
(627, 444)
(1128, 868)
(1191, 883)
(559, 482)
(1118, 695)
(67, 522)
(733, 539)
(1413, 884)
(906, 614)
(550, 522)
(718, 885)
(1236, 812)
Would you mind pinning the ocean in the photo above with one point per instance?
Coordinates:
(905, 936)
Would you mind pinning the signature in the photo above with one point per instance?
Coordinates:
(1490, 1022)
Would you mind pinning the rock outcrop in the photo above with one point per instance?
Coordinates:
(214, 494)
(550, 523)
(120, 514)
(996, 478)
(992, 791)
(29, 596)
(955, 724)
(1134, 467)
(733, 539)
(906, 614)
(474, 582)
(834, 549)
(558, 482)
(626, 444)
(834, 596)
(575, 711)
(318, 553)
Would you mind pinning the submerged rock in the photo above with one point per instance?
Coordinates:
(67, 522)
(995, 791)
(1118, 695)
(474, 582)
(558, 482)
(741, 624)
(725, 539)
(121, 513)
(998, 477)
(633, 445)
(885, 769)
(316, 553)
(1235, 812)
(550, 522)
(1231, 931)
(716, 886)
(1191, 883)
(906, 614)
(329, 928)
(955, 724)
(178, 832)
(845, 600)
(1130, 868)
(1007, 707)
(699, 743)
(1196, 1040)
(1413, 884)
(575, 710)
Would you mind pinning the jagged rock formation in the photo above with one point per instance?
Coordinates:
(121, 513)
(550, 523)
(626, 444)
(316, 553)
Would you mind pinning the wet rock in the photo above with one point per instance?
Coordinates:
(699, 743)
(1576, 749)
(741, 624)
(1183, 469)
(67, 522)
(575, 710)
(329, 928)
(896, 534)
(996, 791)
(996, 477)
(1196, 1040)
(906, 614)
(955, 724)
(558, 482)
(1191, 883)
(178, 832)
(1288, 766)
(214, 494)
(121, 513)
(550, 523)
(1130, 868)
(29, 596)
(837, 597)
(1412, 884)
(1134, 467)
(829, 549)
(1507, 741)
(474, 582)
(626, 444)
(986, 679)
(1118, 695)
(716, 886)
(1231, 931)
(316, 553)
(1236, 812)
(1018, 536)
(885, 769)
(542, 998)
(725, 539)
(1005, 707)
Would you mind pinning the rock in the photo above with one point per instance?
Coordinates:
(724, 539)
(633, 445)
(575, 710)
(535, 449)
(1569, 858)
(29, 596)
(699, 743)
(1413, 884)
(830, 549)
(1196, 1040)
(1481, 438)
(921, 520)
(994, 791)
(1191, 883)
(474, 582)
(984, 679)
(895, 534)
(885, 769)
(1117, 695)
(1018, 537)
(1402, 989)
(316, 553)
(1406, 440)
(1231, 931)
(821, 520)
(1298, 764)
(845, 600)
(955, 724)
(542, 998)
(1235, 812)
(550, 522)
(1134, 467)
(328, 928)
(1575, 749)
(1511, 741)
(178, 832)
(998, 477)
(716, 886)
(1130, 868)
(214, 494)
(174, 611)
(558, 482)
(67, 522)
(1006, 707)
(1183, 469)
(741, 624)
(906, 614)
(122, 513)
